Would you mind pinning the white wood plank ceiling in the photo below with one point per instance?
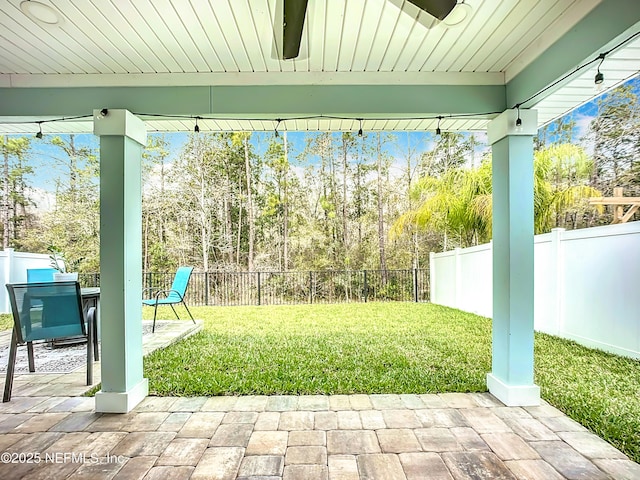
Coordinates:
(198, 42)
(617, 68)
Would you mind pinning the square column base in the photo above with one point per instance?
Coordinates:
(122, 402)
(513, 395)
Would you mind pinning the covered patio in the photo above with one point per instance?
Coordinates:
(121, 69)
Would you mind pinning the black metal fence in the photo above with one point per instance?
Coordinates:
(285, 288)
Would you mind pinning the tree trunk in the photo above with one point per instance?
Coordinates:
(205, 226)
(359, 202)
(228, 214)
(145, 253)
(6, 215)
(204, 234)
(18, 207)
(228, 229)
(285, 209)
(381, 239)
(73, 160)
(414, 233)
(344, 194)
(163, 237)
(250, 215)
(205, 248)
(239, 235)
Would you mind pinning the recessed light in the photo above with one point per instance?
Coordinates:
(458, 15)
(40, 12)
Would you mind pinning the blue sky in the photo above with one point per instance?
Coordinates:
(43, 156)
(585, 113)
(46, 170)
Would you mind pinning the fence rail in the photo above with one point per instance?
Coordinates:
(286, 288)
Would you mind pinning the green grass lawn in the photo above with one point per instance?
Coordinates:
(597, 389)
(383, 348)
(343, 348)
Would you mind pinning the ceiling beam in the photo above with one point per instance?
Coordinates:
(266, 101)
(201, 79)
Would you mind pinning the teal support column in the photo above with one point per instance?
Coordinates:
(511, 378)
(122, 137)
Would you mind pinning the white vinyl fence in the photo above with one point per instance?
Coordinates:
(13, 269)
(587, 285)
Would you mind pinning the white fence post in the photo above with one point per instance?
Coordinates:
(458, 278)
(557, 265)
(432, 278)
(8, 275)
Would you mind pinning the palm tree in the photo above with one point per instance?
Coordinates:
(459, 203)
(561, 185)
(454, 204)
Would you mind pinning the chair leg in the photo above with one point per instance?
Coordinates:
(11, 365)
(96, 345)
(32, 366)
(90, 353)
(155, 312)
(185, 306)
(174, 311)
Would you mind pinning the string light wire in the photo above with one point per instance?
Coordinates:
(579, 68)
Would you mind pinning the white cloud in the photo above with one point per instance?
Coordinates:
(44, 200)
(151, 181)
(583, 123)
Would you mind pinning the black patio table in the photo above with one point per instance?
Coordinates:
(90, 298)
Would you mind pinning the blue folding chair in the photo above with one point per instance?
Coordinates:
(171, 296)
(47, 311)
(36, 275)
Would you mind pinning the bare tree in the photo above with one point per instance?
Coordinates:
(14, 198)
(250, 213)
(381, 233)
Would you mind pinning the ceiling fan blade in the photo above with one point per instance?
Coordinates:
(436, 8)
(294, 13)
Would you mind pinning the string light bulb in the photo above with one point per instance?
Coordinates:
(438, 131)
(360, 129)
(518, 120)
(196, 128)
(104, 112)
(278, 120)
(599, 78)
(39, 134)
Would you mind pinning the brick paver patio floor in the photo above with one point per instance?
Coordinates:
(48, 432)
